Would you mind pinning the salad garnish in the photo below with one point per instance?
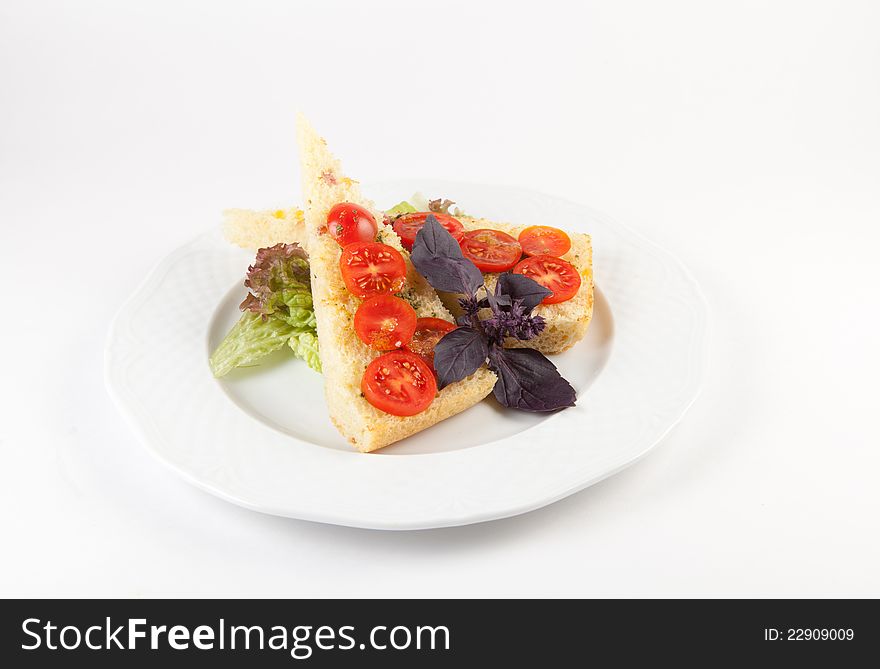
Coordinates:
(277, 312)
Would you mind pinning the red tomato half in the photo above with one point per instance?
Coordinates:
(348, 223)
(542, 239)
(490, 250)
(385, 322)
(399, 383)
(371, 268)
(408, 226)
(555, 274)
(428, 332)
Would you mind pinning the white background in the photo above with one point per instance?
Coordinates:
(743, 136)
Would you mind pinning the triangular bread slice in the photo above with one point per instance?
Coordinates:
(343, 355)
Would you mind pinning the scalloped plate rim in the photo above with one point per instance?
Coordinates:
(126, 403)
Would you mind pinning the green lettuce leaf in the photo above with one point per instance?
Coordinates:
(401, 208)
(278, 310)
(250, 339)
(300, 312)
(278, 278)
(305, 345)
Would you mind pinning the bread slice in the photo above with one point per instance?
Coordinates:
(344, 357)
(258, 229)
(567, 321)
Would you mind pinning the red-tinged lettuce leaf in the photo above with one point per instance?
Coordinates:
(438, 257)
(440, 205)
(529, 381)
(278, 280)
(459, 354)
(277, 311)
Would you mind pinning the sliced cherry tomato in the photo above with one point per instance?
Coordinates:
(348, 223)
(385, 322)
(428, 332)
(542, 239)
(555, 274)
(407, 226)
(491, 250)
(372, 268)
(399, 383)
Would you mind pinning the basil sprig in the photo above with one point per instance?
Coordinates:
(527, 380)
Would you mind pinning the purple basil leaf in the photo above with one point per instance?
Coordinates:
(437, 257)
(528, 381)
(495, 300)
(522, 288)
(458, 354)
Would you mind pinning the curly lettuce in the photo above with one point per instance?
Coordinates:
(250, 339)
(278, 310)
(304, 345)
(278, 280)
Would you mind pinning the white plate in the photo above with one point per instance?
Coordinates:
(261, 437)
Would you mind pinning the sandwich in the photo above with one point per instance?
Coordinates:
(369, 304)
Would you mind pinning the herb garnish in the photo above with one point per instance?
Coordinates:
(526, 379)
